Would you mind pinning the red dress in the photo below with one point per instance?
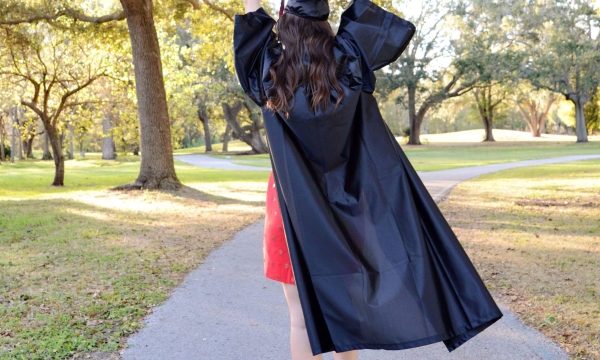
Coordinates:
(277, 264)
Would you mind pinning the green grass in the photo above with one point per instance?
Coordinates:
(65, 288)
(440, 157)
(534, 235)
(33, 177)
(437, 156)
(80, 266)
(28, 178)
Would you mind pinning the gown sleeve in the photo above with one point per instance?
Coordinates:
(252, 37)
(379, 35)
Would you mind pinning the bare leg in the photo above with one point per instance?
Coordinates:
(300, 346)
(346, 355)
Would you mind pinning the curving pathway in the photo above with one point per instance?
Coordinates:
(227, 310)
(208, 161)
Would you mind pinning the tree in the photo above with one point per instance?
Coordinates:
(157, 169)
(534, 107)
(564, 52)
(216, 88)
(431, 69)
(487, 101)
(50, 79)
(489, 34)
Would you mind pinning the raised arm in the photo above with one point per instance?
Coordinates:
(251, 5)
(253, 37)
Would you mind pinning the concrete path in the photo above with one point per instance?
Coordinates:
(439, 183)
(227, 310)
(208, 161)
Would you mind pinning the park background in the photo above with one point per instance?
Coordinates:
(100, 101)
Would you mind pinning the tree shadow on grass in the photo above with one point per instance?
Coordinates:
(191, 193)
(76, 272)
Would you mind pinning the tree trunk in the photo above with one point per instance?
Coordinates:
(57, 155)
(415, 124)
(46, 155)
(2, 150)
(19, 148)
(203, 117)
(580, 128)
(71, 152)
(28, 146)
(27, 141)
(226, 137)
(257, 138)
(534, 128)
(16, 144)
(13, 140)
(24, 147)
(253, 138)
(109, 150)
(157, 169)
(531, 116)
(535, 114)
(19, 138)
(56, 141)
(483, 98)
(489, 135)
(542, 125)
(81, 150)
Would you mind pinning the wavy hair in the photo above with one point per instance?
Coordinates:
(304, 38)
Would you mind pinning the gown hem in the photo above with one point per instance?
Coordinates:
(461, 336)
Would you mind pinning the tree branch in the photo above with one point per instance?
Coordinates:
(68, 12)
(78, 15)
(196, 5)
(33, 107)
(71, 92)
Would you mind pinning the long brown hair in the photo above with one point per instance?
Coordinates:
(301, 39)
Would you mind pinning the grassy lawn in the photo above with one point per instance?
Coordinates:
(534, 236)
(80, 266)
(33, 178)
(440, 156)
(446, 156)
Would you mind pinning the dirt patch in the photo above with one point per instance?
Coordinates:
(555, 202)
(97, 355)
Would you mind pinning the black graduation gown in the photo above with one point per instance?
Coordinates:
(376, 264)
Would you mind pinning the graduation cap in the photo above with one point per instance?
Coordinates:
(310, 9)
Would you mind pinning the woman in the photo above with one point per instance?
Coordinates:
(366, 259)
(294, 31)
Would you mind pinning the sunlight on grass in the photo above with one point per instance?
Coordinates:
(32, 178)
(534, 235)
(102, 259)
